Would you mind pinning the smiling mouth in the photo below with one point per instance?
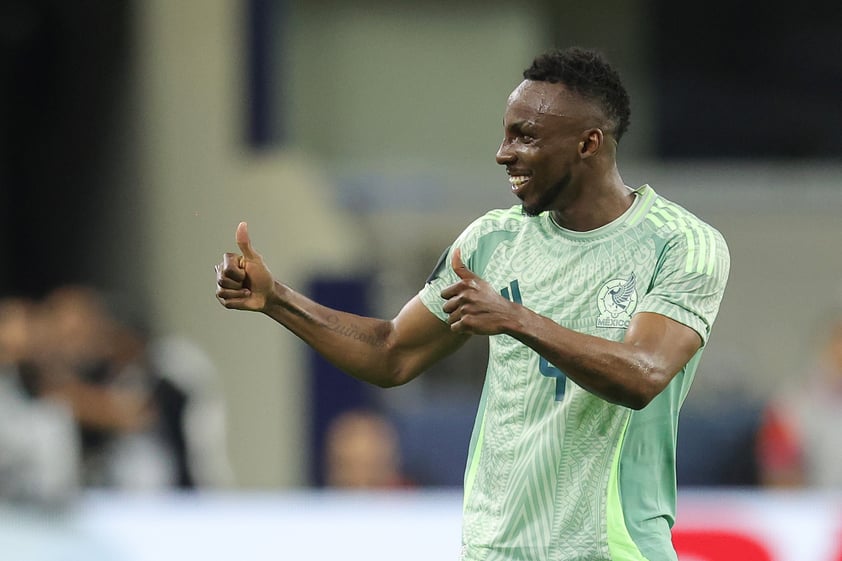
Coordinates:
(517, 182)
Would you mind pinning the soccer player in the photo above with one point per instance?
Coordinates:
(597, 299)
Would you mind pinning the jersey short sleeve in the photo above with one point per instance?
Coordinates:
(690, 280)
(443, 275)
(430, 293)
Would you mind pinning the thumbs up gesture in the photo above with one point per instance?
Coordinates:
(474, 306)
(243, 282)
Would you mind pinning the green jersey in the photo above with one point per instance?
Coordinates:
(556, 473)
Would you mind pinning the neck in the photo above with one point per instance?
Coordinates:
(596, 202)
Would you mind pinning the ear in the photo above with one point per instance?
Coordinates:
(590, 143)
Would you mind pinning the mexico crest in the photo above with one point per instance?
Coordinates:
(616, 302)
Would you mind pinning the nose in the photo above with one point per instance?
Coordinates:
(505, 155)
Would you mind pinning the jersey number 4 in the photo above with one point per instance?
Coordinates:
(512, 293)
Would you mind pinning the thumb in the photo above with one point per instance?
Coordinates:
(244, 242)
(458, 267)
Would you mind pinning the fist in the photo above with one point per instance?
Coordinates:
(473, 306)
(243, 282)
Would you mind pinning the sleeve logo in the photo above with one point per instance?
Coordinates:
(616, 302)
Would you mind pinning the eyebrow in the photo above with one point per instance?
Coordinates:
(519, 125)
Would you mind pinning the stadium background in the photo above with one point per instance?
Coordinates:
(357, 139)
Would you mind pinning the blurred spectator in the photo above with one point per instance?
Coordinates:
(188, 389)
(92, 364)
(133, 401)
(39, 451)
(363, 452)
(800, 442)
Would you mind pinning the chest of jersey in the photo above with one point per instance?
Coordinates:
(592, 287)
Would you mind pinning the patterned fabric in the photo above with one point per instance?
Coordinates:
(555, 472)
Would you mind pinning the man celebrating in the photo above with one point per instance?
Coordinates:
(598, 300)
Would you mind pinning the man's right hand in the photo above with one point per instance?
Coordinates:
(244, 282)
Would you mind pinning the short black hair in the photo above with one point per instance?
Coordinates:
(587, 73)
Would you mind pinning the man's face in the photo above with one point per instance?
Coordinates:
(543, 127)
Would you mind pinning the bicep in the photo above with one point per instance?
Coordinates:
(669, 345)
(420, 339)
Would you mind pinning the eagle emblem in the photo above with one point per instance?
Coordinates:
(616, 301)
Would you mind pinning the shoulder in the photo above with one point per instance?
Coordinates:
(687, 247)
(494, 224)
(685, 231)
(672, 217)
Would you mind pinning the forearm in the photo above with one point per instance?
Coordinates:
(382, 352)
(359, 346)
(618, 372)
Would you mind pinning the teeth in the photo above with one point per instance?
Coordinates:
(518, 180)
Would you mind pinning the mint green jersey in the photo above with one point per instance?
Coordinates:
(554, 472)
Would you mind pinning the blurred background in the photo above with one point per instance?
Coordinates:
(357, 140)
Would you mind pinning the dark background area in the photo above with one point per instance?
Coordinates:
(65, 70)
(742, 79)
